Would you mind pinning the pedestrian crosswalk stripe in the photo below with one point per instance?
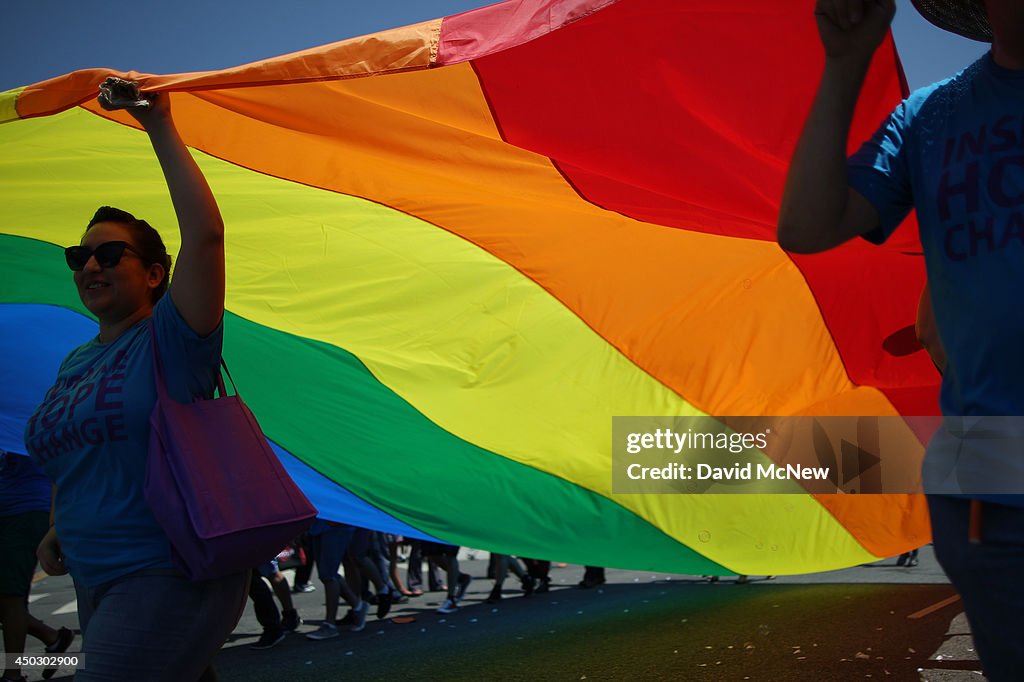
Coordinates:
(70, 607)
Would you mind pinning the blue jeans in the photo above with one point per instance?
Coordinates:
(157, 625)
(330, 547)
(987, 576)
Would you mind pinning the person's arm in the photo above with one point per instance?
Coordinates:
(819, 209)
(197, 287)
(50, 556)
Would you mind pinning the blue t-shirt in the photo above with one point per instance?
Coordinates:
(91, 436)
(23, 487)
(954, 151)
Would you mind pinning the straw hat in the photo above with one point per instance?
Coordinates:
(963, 17)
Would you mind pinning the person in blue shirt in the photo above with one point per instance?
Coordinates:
(24, 520)
(141, 618)
(954, 152)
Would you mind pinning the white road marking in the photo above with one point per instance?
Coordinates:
(70, 607)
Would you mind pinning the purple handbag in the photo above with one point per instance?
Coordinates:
(215, 486)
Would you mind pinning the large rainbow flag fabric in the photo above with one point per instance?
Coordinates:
(457, 249)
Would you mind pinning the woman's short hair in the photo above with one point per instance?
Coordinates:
(146, 239)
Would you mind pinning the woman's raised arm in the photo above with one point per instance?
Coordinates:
(197, 287)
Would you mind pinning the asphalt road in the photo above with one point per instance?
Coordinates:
(878, 621)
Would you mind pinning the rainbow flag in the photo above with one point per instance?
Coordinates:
(456, 250)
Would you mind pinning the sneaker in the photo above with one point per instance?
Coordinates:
(325, 631)
(742, 579)
(908, 559)
(529, 585)
(304, 588)
(449, 606)
(359, 616)
(544, 585)
(268, 639)
(291, 620)
(464, 580)
(349, 618)
(383, 605)
(495, 596)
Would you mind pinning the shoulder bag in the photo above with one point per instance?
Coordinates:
(214, 484)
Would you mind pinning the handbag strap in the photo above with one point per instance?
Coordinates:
(220, 378)
(158, 374)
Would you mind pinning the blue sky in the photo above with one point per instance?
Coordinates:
(40, 39)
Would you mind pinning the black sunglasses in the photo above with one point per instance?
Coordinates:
(108, 254)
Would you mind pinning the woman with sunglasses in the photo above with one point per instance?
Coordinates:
(140, 618)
